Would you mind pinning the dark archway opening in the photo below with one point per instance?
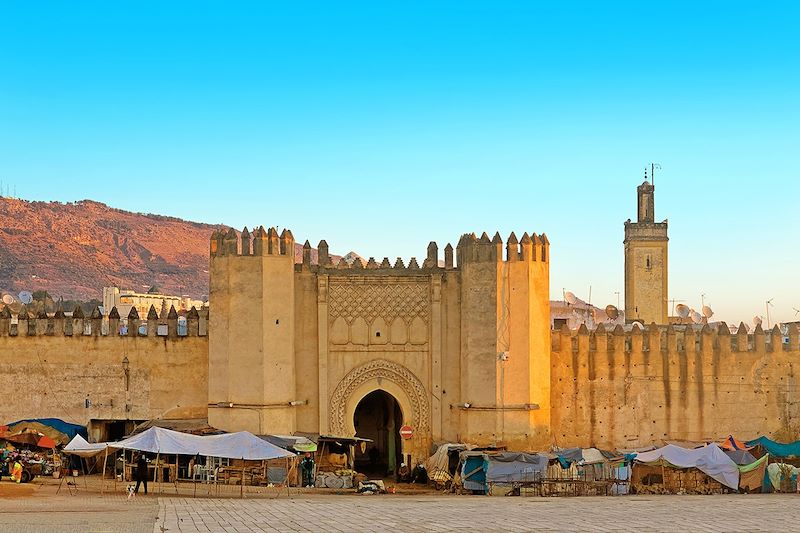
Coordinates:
(378, 417)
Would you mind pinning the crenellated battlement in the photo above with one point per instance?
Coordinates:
(95, 325)
(531, 248)
(470, 248)
(677, 339)
(260, 243)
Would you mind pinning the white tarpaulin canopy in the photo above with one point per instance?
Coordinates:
(242, 445)
(710, 460)
(78, 446)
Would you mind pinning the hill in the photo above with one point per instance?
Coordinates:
(73, 250)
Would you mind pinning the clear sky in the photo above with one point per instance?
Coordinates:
(380, 126)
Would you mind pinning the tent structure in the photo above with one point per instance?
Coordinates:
(78, 446)
(514, 467)
(586, 472)
(55, 428)
(751, 476)
(297, 443)
(710, 460)
(159, 441)
(441, 466)
(31, 438)
(473, 471)
(241, 445)
(194, 426)
(777, 449)
(730, 443)
(783, 477)
(741, 457)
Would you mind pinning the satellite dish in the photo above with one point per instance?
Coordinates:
(8, 299)
(683, 310)
(707, 311)
(638, 325)
(757, 321)
(612, 312)
(25, 297)
(570, 298)
(697, 318)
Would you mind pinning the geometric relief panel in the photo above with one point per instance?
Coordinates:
(366, 311)
(370, 300)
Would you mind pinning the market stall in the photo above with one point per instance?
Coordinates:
(243, 447)
(676, 470)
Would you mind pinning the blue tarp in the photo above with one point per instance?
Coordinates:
(70, 430)
(777, 449)
(473, 472)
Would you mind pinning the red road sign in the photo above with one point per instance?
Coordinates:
(406, 432)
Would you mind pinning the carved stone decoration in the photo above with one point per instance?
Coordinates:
(380, 369)
(369, 299)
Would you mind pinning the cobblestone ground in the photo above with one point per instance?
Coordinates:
(39, 509)
(81, 513)
(446, 513)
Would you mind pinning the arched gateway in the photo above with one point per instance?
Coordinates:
(390, 377)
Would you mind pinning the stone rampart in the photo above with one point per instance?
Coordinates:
(618, 389)
(83, 369)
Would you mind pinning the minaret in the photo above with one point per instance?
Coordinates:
(646, 262)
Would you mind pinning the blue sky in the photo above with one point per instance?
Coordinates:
(380, 126)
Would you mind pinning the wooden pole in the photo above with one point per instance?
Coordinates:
(288, 492)
(102, 479)
(155, 473)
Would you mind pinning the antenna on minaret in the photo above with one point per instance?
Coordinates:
(653, 167)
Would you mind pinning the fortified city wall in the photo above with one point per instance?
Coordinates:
(613, 389)
(49, 367)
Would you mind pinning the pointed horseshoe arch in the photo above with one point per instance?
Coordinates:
(379, 375)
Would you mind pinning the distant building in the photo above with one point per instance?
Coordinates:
(575, 315)
(124, 300)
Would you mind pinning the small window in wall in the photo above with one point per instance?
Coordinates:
(559, 323)
(649, 262)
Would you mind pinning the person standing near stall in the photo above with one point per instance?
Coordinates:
(307, 469)
(141, 473)
(16, 470)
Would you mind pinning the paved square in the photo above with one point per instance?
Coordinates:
(478, 513)
(36, 508)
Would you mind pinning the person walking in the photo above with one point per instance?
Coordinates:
(141, 473)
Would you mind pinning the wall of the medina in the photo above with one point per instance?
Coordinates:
(505, 341)
(307, 352)
(251, 350)
(622, 390)
(45, 372)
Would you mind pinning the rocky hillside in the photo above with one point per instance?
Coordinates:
(75, 249)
